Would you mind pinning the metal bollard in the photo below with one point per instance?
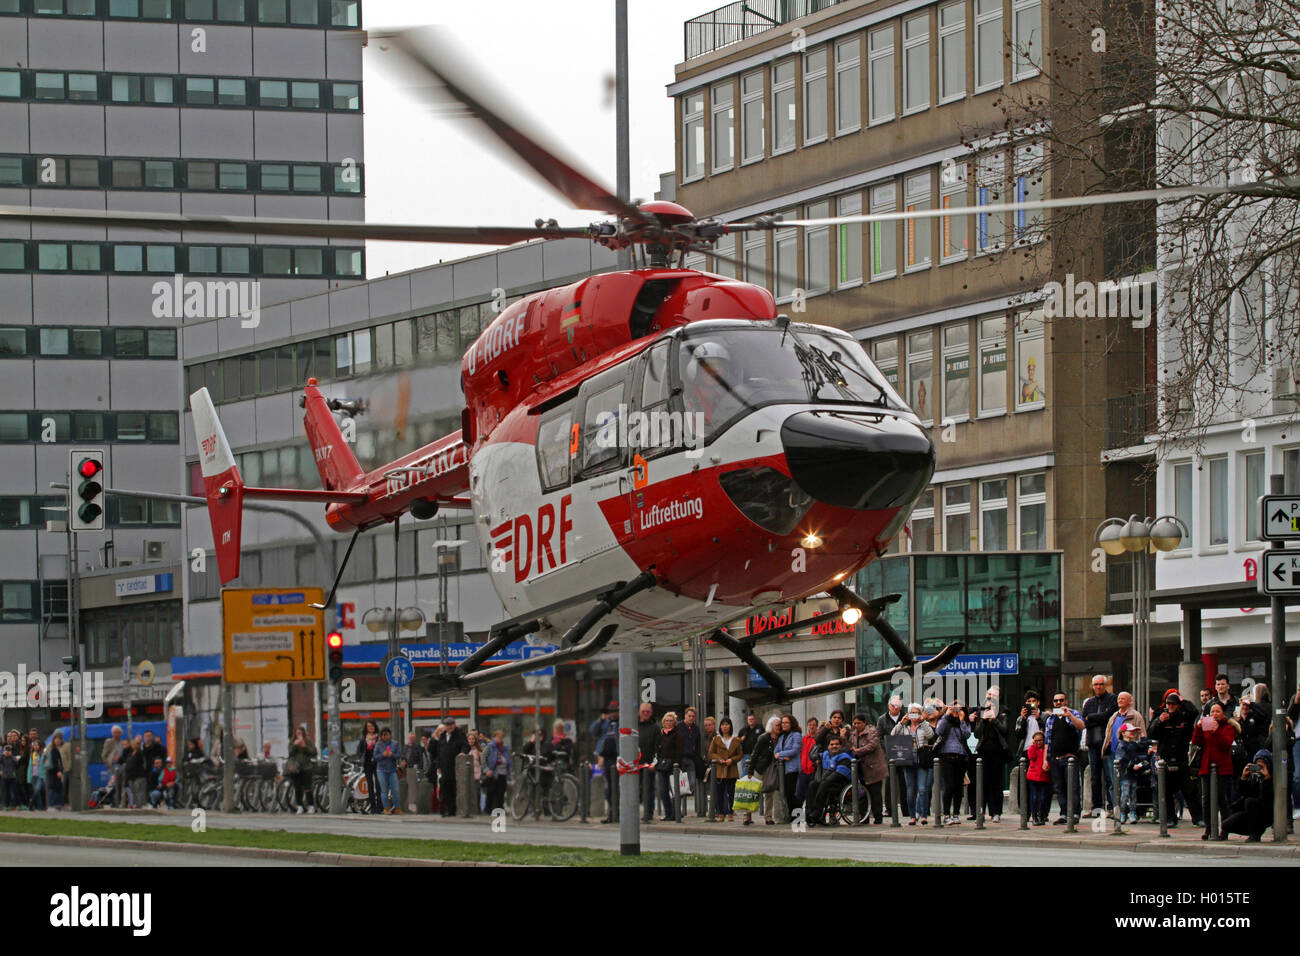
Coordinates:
(675, 792)
(1069, 797)
(893, 795)
(1119, 807)
(1161, 806)
(584, 791)
(1024, 793)
(614, 813)
(979, 793)
(1212, 823)
(857, 767)
(939, 789)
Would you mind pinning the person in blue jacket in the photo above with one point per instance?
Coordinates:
(837, 770)
(789, 749)
(387, 753)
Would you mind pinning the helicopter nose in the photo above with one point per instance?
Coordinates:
(855, 462)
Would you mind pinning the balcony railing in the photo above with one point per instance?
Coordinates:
(1129, 418)
(742, 20)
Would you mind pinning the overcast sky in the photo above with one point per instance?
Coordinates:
(556, 61)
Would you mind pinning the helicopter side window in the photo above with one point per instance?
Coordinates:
(659, 430)
(553, 443)
(601, 435)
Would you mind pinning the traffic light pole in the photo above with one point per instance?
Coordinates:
(334, 724)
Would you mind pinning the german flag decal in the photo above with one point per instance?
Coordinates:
(571, 315)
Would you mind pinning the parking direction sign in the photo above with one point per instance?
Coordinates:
(1279, 517)
(398, 671)
(539, 650)
(1281, 573)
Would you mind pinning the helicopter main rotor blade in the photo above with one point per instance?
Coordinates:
(430, 51)
(1266, 189)
(303, 228)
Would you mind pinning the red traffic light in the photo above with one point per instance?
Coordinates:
(334, 639)
(89, 468)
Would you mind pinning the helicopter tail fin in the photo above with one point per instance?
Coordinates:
(222, 484)
(337, 465)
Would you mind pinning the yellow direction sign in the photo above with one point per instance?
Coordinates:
(272, 635)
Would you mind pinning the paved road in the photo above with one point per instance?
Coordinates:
(53, 854)
(659, 837)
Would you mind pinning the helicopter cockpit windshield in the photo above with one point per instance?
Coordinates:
(726, 372)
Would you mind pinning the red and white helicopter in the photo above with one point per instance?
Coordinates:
(655, 447)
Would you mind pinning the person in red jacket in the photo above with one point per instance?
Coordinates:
(1039, 776)
(1214, 734)
(807, 769)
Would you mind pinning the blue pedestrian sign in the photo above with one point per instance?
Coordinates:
(399, 671)
(538, 650)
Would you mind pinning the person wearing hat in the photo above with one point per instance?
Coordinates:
(1252, 814)
(1131, 759)
(451, 743)
(1171, 731)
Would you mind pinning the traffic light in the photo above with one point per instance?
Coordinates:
(86, 489)
(334, 642)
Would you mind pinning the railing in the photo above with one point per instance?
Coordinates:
(742, 20)
(1129, 419)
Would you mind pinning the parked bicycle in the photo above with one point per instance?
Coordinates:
(560, 798)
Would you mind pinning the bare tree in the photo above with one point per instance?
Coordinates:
(1170, 93)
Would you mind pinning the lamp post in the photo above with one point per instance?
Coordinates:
(448, 551)
(380, 619)
(1140, 537)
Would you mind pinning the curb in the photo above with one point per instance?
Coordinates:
(288, 856)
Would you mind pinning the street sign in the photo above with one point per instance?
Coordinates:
(272, 635)
(145, 672)
(1281, 573)
(538, 651)
(399, 671)
(399, 695)
(1279, 517)
(126, 669)
(536, 682)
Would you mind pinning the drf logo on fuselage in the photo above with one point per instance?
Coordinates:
(524, 539)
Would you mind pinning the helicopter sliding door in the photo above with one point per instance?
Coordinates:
(599, 452)
(655, 426)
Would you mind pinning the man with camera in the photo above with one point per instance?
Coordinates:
(1028, 723)
(1253, 813)
(1097, 712)
(1064, 732)
(992, 728)
(1172, 732)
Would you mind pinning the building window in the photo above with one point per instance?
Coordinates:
(993, 365)
(920, 373)
(884, 235)
(1182, 496)
(880, 56)
(724, 249)
(786, 245)
(752, 127)
(849, 240)
(988, 45)
(724, 123)
(756, 259)
(1031, 510)
(1291, 471)
(1217, 472)
(814, 96)
(817, 250)
(918, 231)
(993, 515)
(916, 63)
(1252, 467)
(884, 352)
(1031, 372)
(692, 136)
(956, 372)
(1027, 23)
(952, 52)
(956, 517)
(1029, 188)
(783, 106)
(848, 85)
(990, 228)
(954, 230)
(922, 522)
(11, 84)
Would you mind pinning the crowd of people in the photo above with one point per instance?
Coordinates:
(32, 773)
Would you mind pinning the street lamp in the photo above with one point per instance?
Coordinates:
(380, 619)
(446, 549)
(1140, 537)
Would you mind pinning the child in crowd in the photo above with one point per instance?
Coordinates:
(1131, 755)
(1040, 780)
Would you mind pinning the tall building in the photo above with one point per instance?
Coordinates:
(812, 110)
(224, 107)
